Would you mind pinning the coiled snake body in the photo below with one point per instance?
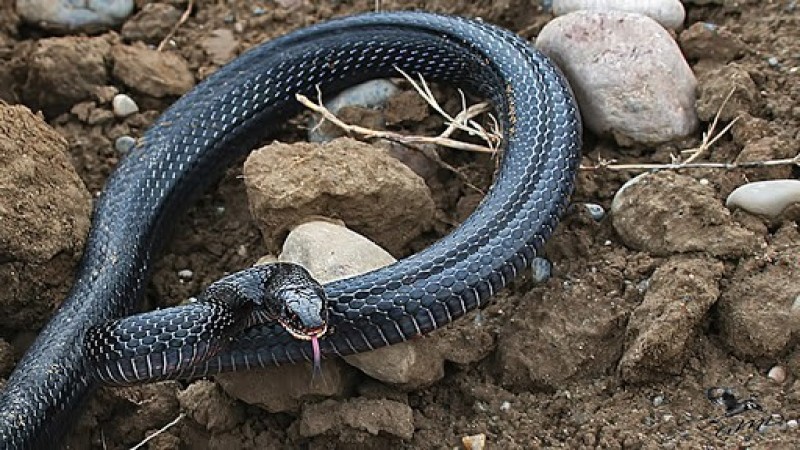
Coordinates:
(226, 115)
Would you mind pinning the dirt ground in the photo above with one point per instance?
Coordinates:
(598, 356)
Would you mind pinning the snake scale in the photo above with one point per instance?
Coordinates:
(226, 115)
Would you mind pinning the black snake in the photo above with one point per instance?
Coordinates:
(226, 115)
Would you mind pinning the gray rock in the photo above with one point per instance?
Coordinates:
(662, 329)
(766, 198)
(124, 106)
(332, 252)
(597, 212)
(640, 91)
(124, 144)
(541, 269)
(83, 15)
(371, 94)
(363, 186)
(669, 13)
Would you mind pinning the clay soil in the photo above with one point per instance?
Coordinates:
(566, 389)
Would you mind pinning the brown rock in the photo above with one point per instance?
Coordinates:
(708, 41)
(7, 358)
(158, 74)
(662, 328)
(714, 86)
(139, 409)
(44, 218)
(204, 402)
(572, 332)
(152, 24)
(407, 106)
(366, 188)
(758, 317)
(63, 71)
(220, 46)
(359, 414)
(664, 213)
(285, 388)
(765, 149)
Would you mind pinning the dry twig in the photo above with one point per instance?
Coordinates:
(178, 24)
(462, 121)
(160, 430)
(710, 137)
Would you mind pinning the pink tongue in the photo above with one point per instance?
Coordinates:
(315, 349)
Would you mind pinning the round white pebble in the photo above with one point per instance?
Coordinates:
(596, 211)
(124, 106)
(765, 198)
(185, 274)
(777, 374)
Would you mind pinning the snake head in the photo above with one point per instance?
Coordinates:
(297, 301)
(303, 313)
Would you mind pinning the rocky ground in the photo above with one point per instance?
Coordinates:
(659, 317)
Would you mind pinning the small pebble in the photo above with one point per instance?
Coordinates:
(658, 400)
(124, 106)
(777, 374)
(765, 198)
(596, 211)
(124, 144)
(773, 61)
(796, 304)
(505, 406)
(792, 423)
(474, 442)
(185, 274)
(541, 269)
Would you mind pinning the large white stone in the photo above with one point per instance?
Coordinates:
(628, 74)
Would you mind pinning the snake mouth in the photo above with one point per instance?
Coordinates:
(304, 334)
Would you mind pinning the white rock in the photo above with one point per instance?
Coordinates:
(777, 374)
(124, 106)
(765, 198)
(75, 15)
(371, 94)
(669, 13)
(630, 77)
(331, 252)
